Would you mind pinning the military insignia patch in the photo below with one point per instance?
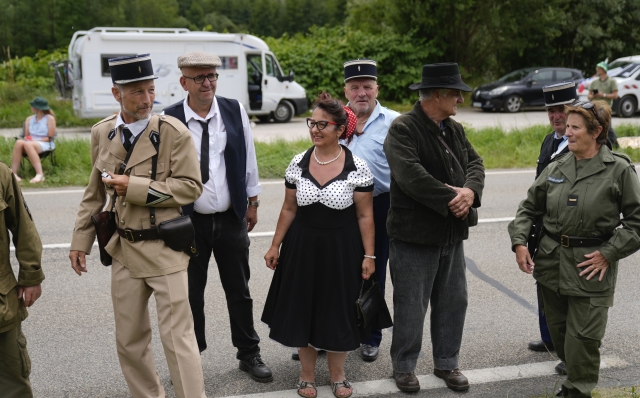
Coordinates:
(555, 180)
(154, 137)
(154, 197)
(112, 134)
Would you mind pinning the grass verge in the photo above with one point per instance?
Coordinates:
(516, 149)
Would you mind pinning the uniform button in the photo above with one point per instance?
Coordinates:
(121, 221)
(446, 151)
(149, 172)
(104, 170)
(124, 204)
(452, 169)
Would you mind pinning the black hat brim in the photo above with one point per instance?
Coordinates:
(456, 86)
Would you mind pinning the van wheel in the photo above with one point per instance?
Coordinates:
(628, 106)
(284, 112)
(264, 118)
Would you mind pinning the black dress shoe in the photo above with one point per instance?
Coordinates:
(559, 393)
(541, 346)
(369, 353)
(406, 382)
(295, 356)
(561, 368)
(454, 379)
(256, 369)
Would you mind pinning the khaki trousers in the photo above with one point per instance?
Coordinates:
(15, 365)
(133, 333)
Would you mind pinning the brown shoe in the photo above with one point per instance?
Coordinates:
(454, 379)
(407, 382)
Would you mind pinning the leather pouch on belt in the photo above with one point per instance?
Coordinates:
(179, 235)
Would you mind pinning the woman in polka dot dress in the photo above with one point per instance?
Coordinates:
(327, 235)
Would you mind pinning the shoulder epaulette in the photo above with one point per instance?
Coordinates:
(106, 119)
(623, 156)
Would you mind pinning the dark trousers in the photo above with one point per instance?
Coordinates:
(380, 210)
(545, 335)
(228, 238)
(15, 365)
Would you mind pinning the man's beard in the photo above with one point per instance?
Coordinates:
(138, 115)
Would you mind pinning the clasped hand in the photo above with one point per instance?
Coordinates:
(460, 205)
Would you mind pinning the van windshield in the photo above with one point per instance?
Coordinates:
(516, 75)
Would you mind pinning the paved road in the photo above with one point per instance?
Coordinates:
(297, 129)
(71, 333)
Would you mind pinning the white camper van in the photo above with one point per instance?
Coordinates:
(249, 73)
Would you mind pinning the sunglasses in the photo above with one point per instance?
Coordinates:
(322, 124)
(212, 77)
(588, 106)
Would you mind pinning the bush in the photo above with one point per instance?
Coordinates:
(32, 72)
(317, 59)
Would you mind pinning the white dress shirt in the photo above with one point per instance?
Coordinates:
(215, 196)
(136, 127)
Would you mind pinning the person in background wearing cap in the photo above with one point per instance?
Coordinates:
(554, 145)
(228, 208)
(604, 88)
(39, 130)
(436, 177)
(124, 148)
(361, 89)
(17, 293)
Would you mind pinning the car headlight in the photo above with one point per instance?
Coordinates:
(499, 90)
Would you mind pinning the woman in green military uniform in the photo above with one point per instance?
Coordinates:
(580, 198)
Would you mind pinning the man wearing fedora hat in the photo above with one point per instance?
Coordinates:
(436, 177)
(554, 145)
(144, 168)
(228, 208)
(361, 89)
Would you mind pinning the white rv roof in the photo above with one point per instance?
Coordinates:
(163, 34)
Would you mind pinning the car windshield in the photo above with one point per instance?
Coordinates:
(516, 75)
(625, 71)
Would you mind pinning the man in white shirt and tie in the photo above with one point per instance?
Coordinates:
(228, 207)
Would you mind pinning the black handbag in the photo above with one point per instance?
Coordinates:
(371, 307)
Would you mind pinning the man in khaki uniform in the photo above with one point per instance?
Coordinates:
(16, 295)
(142, 266)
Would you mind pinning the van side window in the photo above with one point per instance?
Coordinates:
(272, 66)
(104, 62)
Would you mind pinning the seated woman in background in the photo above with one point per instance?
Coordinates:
(39, 130)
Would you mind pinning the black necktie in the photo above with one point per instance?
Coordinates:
(127, 138)
(556, 144)
(204, 152)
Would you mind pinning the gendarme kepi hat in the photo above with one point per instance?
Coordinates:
(199, 59)
(131, 69)
(443, 75)
(360, 69)
(559, 94)
(40, 103)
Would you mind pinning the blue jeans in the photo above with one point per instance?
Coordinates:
(423, 274)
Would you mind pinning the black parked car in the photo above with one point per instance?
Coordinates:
(521, 88)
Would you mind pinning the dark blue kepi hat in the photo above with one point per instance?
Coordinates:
(360, 69)
(131, 69)
(559, 94)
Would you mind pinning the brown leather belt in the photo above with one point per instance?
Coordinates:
(135, 235)
(577, 241)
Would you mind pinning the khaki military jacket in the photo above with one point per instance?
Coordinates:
(15, 217)
(605, 188)
(177, 183)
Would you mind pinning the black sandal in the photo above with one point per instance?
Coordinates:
(345, 384)
(302, 385)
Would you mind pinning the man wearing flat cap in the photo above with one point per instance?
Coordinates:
(361, 89)
(554, 145)
(144, 169)
(437, 180)
(228, 207)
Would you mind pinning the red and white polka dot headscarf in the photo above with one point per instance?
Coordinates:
(350, 128)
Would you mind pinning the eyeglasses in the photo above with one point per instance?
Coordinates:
(200, 78)
(322, 124)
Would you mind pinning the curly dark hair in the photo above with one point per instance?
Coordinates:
(333, 107)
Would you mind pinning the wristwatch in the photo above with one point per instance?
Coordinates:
(255, 203)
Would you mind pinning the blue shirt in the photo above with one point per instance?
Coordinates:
(368, 146)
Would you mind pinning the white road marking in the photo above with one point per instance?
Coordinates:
(265, 234)
(52, 192)
(429, 382)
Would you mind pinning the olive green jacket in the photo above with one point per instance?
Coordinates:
(606, 187)
(15, 217)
